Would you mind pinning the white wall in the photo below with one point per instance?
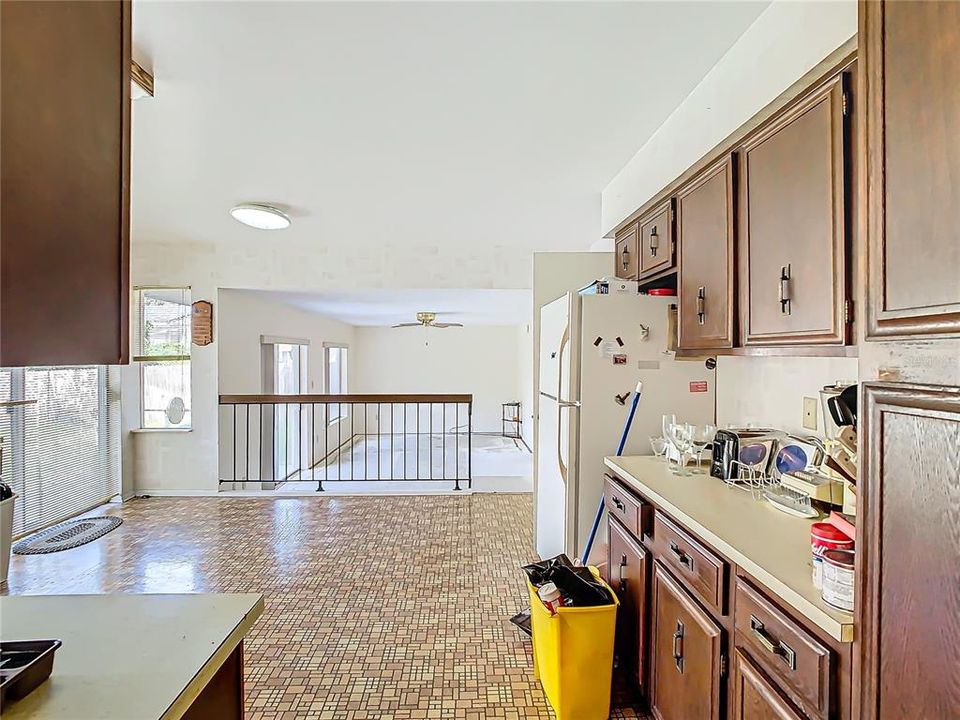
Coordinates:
(787, 40)
(245, 316)
(482, 360)
(769, 391)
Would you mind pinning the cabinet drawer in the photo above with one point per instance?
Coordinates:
(784, 649)
(704, 572)
(656, 241)
(632, 513)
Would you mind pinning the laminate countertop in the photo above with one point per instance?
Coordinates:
(768, 544)
(126, 656)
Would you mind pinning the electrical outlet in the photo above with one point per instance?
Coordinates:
(810, 413)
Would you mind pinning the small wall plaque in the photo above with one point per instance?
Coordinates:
(202, 322)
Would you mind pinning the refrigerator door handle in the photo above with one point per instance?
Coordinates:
(561, 404)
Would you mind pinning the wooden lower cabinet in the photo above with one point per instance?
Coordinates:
(629, 570)
(755, 697)
(686, 653)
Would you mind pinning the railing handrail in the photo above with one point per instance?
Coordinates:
(350, 398)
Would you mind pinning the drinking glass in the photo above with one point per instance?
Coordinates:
(680, 435)
(659, 446)
(701, 437)
(665, 424)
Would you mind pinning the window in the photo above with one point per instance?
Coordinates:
(59, 428)
(335, 362)
(162, 335)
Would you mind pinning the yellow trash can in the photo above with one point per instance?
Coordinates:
(573, 656)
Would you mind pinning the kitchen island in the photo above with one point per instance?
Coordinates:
(135, 656)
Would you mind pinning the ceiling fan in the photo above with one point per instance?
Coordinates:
(428, 319)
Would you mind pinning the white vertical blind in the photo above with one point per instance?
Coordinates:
(62, 451)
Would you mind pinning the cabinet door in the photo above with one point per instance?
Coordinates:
(656, 241)
(686, 652)
(793, 225)
(912, 117)
(705, 232)
(626, 254)
(65, 134)
(908, 552)
(629, 565)
(754, 696)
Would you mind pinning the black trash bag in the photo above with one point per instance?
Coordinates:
(577, 585)
(540, 573)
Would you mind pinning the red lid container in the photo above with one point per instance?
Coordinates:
(662, 292)
(824, 536)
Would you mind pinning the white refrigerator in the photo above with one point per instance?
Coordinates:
(592, 349)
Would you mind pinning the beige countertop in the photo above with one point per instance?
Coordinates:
(126, 656)
(768, 544)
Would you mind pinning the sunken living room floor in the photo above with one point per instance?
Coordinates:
(388, 608)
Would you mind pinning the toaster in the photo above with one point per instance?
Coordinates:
(728, 443)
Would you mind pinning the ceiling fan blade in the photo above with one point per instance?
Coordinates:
(406, 325)
(446, 325)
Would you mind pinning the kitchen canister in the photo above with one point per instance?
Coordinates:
(823, 537)
(837, 587)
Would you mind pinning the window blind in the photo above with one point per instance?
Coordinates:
(61, 447)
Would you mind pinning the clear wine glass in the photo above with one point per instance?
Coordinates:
(701, 437)
(680, 436)
(665, 424)
(659, 446)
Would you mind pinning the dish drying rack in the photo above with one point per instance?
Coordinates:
(768, 487)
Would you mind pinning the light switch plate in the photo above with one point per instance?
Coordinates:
(810, 413)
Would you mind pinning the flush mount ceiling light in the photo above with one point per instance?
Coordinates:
(260, 216)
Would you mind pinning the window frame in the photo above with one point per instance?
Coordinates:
(142, 360)
(344, 369)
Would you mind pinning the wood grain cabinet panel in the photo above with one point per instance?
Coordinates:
(629, 569)
(705, 233)
(793, 223)
(657, 247)
(755, 697)
(626, 257)
(911, 58)
(64, 159)
(686, 653)
(909, 552)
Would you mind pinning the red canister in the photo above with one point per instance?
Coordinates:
(823, 537)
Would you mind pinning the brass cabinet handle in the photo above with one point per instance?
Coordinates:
(783, 289)
(776, 647)
(678, 646)
(654, 241)
(684, 559)
(701, 302)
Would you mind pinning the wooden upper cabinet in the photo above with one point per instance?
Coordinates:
(65, 164)
(755, 697)
(793, 223)
(657, 248)
(626, 252)
(705, 233)
(686, 654)
(910, 54)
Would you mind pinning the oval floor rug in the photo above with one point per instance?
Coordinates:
(66, 535)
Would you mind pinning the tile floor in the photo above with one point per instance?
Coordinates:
(388, 608)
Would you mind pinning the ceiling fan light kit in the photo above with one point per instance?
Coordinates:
(428, 320)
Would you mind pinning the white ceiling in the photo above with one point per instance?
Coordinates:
(389, 307)
(431, 125)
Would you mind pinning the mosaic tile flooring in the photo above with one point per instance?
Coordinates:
(376, 607)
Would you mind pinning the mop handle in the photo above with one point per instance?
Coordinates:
(623, 442)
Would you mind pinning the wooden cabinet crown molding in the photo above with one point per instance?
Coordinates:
(910, 195)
